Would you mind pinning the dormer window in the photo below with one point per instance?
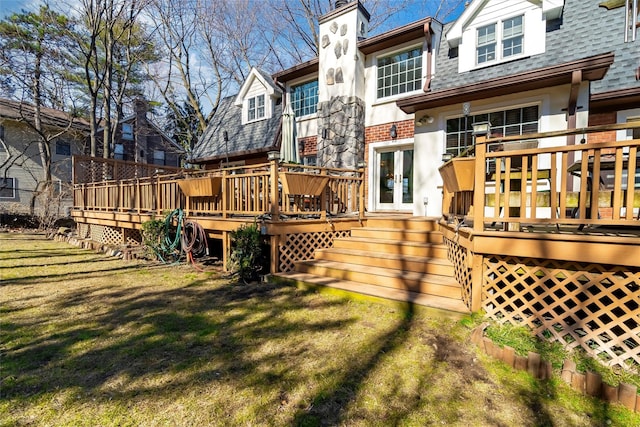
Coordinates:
(255, 108)
(486, 43)
(511, 36)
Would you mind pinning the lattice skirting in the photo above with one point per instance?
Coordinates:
(592, 306)
(132, 236)
(457, 255)
(302, 246)
(83, 230)
(101, 234)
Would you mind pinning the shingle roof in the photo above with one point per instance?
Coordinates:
(21, 111)
(260, 136)
(584, 30)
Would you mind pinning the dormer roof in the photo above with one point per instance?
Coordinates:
(551, 9)
(265, 79)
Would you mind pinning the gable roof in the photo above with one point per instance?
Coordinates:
(254, 137)
(23, 111)
(573, 42)
(132, 118)
(261, 76)
(551, 9)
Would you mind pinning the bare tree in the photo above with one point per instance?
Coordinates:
(111, 44)
(34, 56)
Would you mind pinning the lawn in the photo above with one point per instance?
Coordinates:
(91, 340)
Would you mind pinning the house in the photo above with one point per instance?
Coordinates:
(21, 170)
(401, 100)
(526, 240)
(140, 140)
(245, 127)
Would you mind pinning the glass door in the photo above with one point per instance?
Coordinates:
(394, 179)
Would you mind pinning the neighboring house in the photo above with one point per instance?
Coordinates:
(139, 140)
(20, 162)
(401, 99)
(245, 127)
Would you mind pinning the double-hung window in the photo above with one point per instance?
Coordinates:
(304, 98)
(158, 157)
(118, 152)
(255, 108)
(510, 34)
(63, 148)
(7, 188)
(400, 73)
(486, 43)
(127, 131)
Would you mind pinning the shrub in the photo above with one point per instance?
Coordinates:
(247, 255)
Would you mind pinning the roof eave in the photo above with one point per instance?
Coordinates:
(592, 68)
(406, 33)
(614, 100)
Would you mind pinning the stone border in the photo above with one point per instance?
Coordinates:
(589, 383)
(124, 252)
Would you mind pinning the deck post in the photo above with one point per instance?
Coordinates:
(274, 241)
(275, 203)
(476, 282)
(478, 195)
(324, 205)
(361, 194)
(225, 193)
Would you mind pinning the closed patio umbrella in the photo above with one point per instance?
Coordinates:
(289, 145)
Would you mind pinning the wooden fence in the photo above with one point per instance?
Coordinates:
(264, 189)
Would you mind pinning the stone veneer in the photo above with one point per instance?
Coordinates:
(343, 117)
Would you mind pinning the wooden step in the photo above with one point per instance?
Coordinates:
(391, 278)
(395, 247)
(439, 266)
(449, 304)
(408, 235)
(404, 223)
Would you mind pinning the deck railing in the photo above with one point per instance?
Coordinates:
(581, 185)
(274, 189)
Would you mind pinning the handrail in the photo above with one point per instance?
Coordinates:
(240, 190)
(563, 185)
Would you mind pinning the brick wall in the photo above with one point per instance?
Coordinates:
(310, 144)
(601, 119)
(382, 132)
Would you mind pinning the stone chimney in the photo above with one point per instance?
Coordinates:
(341, 90)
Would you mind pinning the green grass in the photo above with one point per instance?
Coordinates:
(90, 340)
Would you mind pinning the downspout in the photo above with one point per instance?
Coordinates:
(428, 35)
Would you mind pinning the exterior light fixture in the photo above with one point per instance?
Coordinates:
(393, 131)
(446, 157)
(482, 128)
(325, 133)
(273, 156)
(225, 136)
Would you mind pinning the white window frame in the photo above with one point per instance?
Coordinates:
(416, 81)
(310, 106)
(127, 131)
(500, 37)
(256, 108)
(13, 188)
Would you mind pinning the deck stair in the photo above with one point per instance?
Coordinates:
(399, 258)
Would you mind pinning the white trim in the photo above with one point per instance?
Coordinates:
(373, 148)
(270, 89)
(391, 52)
(13, 188)
(551, 9)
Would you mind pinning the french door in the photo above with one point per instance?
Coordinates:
(394, 178)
